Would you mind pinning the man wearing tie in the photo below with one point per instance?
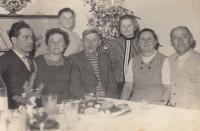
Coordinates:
(16, 64)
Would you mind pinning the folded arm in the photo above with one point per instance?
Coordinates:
(166, 94)
(166, 83)
(127, 90)
(128, 86)
(112, 84)
(196, 105)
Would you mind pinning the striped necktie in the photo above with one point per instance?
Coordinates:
(30, 63)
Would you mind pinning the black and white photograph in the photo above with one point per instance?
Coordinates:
(99, 65)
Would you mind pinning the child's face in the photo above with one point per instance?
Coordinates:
(127, 28)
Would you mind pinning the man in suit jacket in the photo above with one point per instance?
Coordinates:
(185, 70)
(91, 70)
(15, 64)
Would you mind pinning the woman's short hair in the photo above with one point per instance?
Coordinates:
(53, 31)
(89, 31)
(16, 27)
(147, 30)
(134, 21)
(65, 10)
(154, 35)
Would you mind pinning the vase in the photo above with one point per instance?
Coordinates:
(13, 5)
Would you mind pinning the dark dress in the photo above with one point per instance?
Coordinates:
(55, 78)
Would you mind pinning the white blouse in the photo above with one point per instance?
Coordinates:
(165, 70)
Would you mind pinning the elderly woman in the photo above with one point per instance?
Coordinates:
(148, 74)
(66, 21)
(125, 47)
(53, 69)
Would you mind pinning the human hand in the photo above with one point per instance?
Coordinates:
(162, 103)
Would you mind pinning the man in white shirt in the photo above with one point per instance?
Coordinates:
(185, 70)
(16, 65)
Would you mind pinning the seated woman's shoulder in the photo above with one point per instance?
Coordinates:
(161, 54)
(38, 57)
(66, 57)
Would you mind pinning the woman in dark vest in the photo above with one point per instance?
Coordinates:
(125, 47)
(53, 69)
(148, 74)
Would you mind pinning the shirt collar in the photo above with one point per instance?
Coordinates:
(127, 38)
(94, 55)
(19, 55)
(54, 63)
(151, 55)
(185, 56)
(65, 29)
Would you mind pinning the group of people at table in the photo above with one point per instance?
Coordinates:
(71, 67)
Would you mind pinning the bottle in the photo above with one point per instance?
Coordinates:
(3, 96)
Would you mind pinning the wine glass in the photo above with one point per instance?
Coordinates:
(145, 105)
(15, 120)
(49, 102)
(39, 118)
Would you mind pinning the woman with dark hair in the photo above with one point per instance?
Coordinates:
(125, 47)
(148, 74)
(53, 69)
(66, 21)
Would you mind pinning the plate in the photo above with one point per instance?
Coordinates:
(102, 117)
(118, 109)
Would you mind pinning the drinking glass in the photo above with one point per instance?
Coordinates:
(16, 121)
(145, 105)
(40, 116)
(50, 105)
(3, 120)
(70, 113)
(3, 99)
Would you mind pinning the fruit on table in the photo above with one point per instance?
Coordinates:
(107, 105)
(90, 103)
(98, 106)
(93, 105)
(90, 110)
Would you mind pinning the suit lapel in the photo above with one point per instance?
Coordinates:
(102, 66)
(87, 63)
(17, 60)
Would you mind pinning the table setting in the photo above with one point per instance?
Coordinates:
(99, 114)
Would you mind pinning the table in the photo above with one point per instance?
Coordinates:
(159, 118)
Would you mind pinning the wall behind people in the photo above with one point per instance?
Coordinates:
(161, 16)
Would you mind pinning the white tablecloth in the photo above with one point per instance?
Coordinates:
(159, 118)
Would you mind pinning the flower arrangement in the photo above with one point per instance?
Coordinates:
(13, 5)
(105, 17)
(27, 99)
